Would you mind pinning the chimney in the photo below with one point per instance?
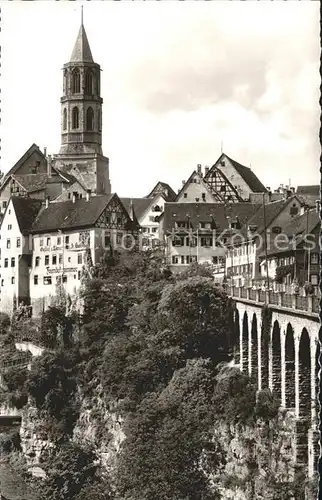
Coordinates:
(199, 168)
(207, 170)
(183, 183)
(49, 162)
(45, 152)
(47, 202)
(88, 194)
(317, 206)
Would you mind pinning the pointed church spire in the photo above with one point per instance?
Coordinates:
(81, 51)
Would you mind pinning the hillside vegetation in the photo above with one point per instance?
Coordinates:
(159, 347)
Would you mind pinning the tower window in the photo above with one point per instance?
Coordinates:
(89, 83)
(65, 119)
(76, 81)
(90, 119)
(65, 81)
(75, 118)
(99, 126)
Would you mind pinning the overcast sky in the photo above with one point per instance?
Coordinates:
(178, 78)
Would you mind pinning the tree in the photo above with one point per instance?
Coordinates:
(70, 470)
(52, 382)
(165, 439)
(57, 328)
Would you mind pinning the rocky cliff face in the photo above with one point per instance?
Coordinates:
(245, 462)
(33, 435)
(254, 458)
(100, 425)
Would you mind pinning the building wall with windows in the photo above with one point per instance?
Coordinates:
(195, 190)
(241, 261)
(199, 246)
(57, 259)
(14, 249)
(149, 220)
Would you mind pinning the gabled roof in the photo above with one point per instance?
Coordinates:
(247, 174)
(26, 210)
(215, 168)
(70, 215)
(205, 186)
(272, 210)
(161, 187)
(32, 182)
(307, 223)
(140, 205)
(219, 213)
(22, 160)
(309, 199)
(311, 190)
(81, 51)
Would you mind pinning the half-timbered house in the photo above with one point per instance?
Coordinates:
(69, 235)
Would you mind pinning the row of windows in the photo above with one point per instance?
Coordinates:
(187, 225)
(89, 120)
(243, 250)
(18, 242)
(55, 261)
(244, 269)
(76, 82)
(153, 229)
(180, 241)
(285, 261)
(48, 280)
(184, 259)
(12, 281)
(203, 196)
(13, 262)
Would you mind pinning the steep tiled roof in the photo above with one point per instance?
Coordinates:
(22, 160)
(306, 224)
(81, 51)
(309, 199)
(249, 177)
(69, 215)
(164, 187)
(140, 204)
(207, 212)
(313, 190)
(206, 186)
(32, 182)
(272, 210)
(26, 210)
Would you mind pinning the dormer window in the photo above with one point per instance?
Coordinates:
(252, 228)
(276, 229)
(294, 209)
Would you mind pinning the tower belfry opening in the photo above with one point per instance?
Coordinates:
(81, 119)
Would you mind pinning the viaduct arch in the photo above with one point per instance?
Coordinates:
(286, 360)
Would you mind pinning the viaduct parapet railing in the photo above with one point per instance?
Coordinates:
(308, 304)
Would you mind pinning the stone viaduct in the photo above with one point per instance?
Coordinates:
(282, 353)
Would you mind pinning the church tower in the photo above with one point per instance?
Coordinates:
(81, 120)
